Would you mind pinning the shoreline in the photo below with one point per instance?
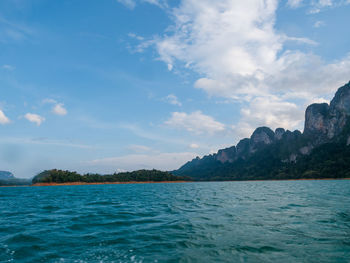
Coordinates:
(273, 180)
(100, 183)
(170, 182)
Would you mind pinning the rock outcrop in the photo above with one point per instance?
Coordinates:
(316, 119)
(279, 133)
(324, 123)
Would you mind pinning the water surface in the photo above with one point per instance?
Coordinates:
(269, 221)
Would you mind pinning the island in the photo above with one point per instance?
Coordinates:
(61, 177)
(321, 151)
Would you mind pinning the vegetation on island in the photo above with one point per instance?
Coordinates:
(321, 151)
(60, 176)
(330, 160)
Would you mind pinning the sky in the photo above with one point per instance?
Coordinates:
(120, 85)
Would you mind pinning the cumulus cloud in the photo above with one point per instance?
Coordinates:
(161, 161)
(59, 109)
(194, 146)
(269, 111)
(195, 122)
(235, 48)
(35, 118)
(219, 38)
(172, 99)
(3, 118)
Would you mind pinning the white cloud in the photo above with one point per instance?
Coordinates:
(172, 99)
(269, 111)
(195, 122)
(194, 146)
(237, 36)
(131, 4)
(13, 31)
(133, 35)
(37, 119)
(159, 3)
(139, 148)
(317, 6)
(161, 161)
(128, 3)
(235, 48)
(300, 40)
(8, 67)
(59, 109)
(45, 141)
(50, 101)
(294, 3)
(318, 24)
(3, 118)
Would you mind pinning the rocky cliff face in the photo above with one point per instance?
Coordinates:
(260, 138)
(227, 155)
(323, 123)
(279, 133)
(316, 119)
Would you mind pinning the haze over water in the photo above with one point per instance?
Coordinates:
(271, 221)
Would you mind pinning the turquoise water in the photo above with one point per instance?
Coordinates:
(300, 221)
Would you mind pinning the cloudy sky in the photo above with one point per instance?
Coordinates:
(115, 85)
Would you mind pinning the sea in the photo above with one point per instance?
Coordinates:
(255, 221)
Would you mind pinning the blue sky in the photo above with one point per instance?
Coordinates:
(113, 85)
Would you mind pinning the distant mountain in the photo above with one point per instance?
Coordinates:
(4, 175)
(8, 179)
(321, 151)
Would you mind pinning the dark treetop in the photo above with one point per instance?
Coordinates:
(59, 176)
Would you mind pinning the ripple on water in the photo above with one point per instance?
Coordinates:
(194, 222)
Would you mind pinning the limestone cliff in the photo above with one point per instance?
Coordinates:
(324, 123)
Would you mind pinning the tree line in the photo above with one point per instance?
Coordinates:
(61, 176)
